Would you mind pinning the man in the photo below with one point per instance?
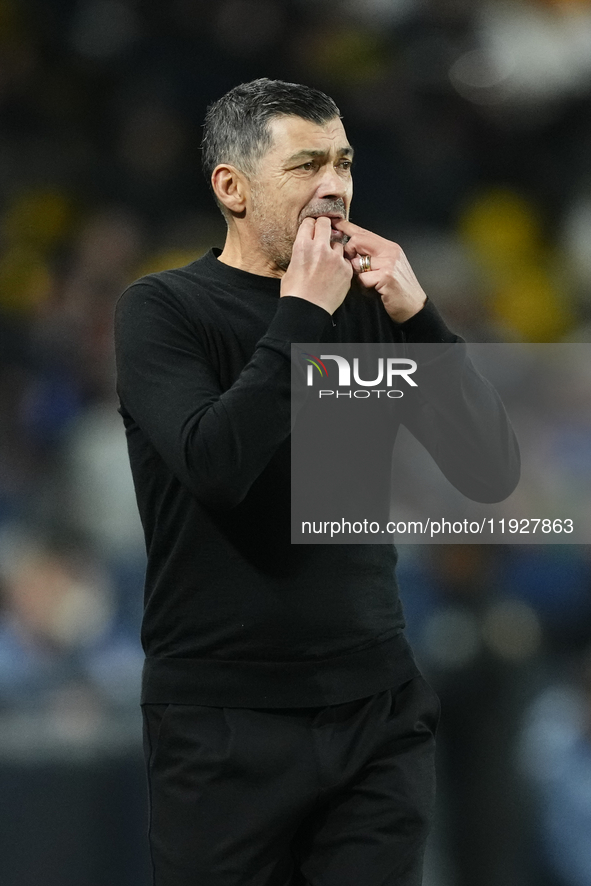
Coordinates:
(289, 734)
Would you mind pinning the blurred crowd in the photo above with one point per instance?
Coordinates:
(471, 121)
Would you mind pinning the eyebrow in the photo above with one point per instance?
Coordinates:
(311, 154)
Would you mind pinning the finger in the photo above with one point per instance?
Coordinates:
(338, 247)
(356, 247)
(362, 241)
(348, 227)
(322, 228)
(350, 250)
(356, 262)
(352, 230)
(306, 229)
(369, 279)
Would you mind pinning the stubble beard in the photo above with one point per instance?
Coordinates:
(276, 242)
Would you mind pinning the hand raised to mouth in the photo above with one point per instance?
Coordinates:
(318, 271)
(335, 211)
(391, 274)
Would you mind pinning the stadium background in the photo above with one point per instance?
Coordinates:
(472, 125)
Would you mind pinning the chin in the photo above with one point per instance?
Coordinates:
(277, 249)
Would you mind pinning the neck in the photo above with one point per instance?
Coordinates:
(245, 253)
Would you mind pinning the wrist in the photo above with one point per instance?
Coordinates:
(318, 303)
(403, 313)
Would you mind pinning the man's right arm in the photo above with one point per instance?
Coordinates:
(218, 439)
(215, 439)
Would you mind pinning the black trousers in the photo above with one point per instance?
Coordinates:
(334, 796)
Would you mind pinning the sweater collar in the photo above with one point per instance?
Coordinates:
(239, 278)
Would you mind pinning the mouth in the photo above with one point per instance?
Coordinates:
(336, 235)
(333, 216)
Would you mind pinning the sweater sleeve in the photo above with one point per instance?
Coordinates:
(460, 419)
(426, 326)
(215, 441)
(456, 414)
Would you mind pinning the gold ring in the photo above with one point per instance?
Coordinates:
(364, 263)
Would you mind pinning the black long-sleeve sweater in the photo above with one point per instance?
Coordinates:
(234, 614)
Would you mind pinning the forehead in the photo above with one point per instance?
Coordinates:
(293, 134)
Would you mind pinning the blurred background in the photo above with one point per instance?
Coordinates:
(472, 125)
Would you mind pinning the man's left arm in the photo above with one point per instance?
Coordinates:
(457, 415)
(460, 419)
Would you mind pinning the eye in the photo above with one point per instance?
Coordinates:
(307, 166)
(346, 164)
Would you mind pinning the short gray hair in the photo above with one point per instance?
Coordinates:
(236, 129)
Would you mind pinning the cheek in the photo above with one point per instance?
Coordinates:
(289, 218)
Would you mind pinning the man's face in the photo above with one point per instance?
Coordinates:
(306, 172)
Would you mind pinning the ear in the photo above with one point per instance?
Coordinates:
(230, 187)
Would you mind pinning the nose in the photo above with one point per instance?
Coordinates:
(333, 184)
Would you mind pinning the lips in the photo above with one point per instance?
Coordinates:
(336, 236)
(334, 217)
(334, 210)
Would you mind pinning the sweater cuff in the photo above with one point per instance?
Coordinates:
(427, 326)
(298, 320)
